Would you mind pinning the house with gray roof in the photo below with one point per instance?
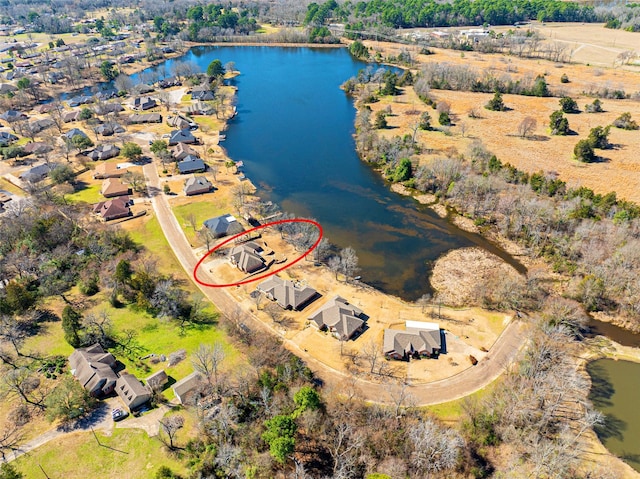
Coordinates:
(202, 93)
(93, 368)
(40, 125)
(339, 317)
(247, 257)
(38, 172)
(191, 164)
(287, 294)
(157, 380)
(223, 225)
(36, 147)
(70, 116)
(7, 138)
(74, 132)
(13, 115)
(132, 392)
(419, 339)
(182, 136)
(138, 118)
(197, 185)
(144, 103)
(104, 152)
(180, 122)
(184, 388)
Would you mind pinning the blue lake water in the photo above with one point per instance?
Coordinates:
(294, 133)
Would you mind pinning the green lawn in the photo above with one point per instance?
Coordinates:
(452, 411)
(210, 122)
(88, 194)
(5, 185)
(128, 453)
(202, 211)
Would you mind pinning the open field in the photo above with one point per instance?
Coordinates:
(126, 454)
(619, 166)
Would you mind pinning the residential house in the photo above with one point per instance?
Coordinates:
(38, 172)
(339, 317)
(169, 82)
(181, 136)
(287, 294)
(6, 88)
(142, 89)
(108, 129)
(113, 209)
(419, 339)
(40, 125)
(36, 147)
(138, 118)
(197, 185)
(110, 107)
(13, 115)
(74, 132)
(247, 258)
(180, 122)
(93, 368)
(112, 187)
(107, 94)
(157, 380)
(104, 152)
(198, 108)
(79, 100)
(107, 170)
(185, 388)
(182, 150)
(7, 138)
(144, 103)
(132, 392)
(202, 93)
(191, 164)
(223, 225)
(71, 116)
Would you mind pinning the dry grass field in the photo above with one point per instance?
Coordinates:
(619, 166)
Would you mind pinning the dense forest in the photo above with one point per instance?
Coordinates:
(429, 13)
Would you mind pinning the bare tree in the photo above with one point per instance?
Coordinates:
(435, 448)
(527, 126)
(371, 354)
(170, 426)
(207, 360)
(23, 383)
(349, 262)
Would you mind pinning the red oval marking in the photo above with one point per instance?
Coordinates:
(258, 278)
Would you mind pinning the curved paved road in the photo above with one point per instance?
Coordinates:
(464, 383)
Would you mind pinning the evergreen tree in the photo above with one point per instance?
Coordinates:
(71, 325)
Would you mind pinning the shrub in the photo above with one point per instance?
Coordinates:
(598, 137)
(564, 78)
(381, 120)
(425, 121)
(583, 151)
(496, 103)
(444, 119)
(625, 122)
(595, 107)
(558, 124)
(568, 105)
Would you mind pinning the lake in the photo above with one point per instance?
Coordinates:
(294, 133)
(615, 392)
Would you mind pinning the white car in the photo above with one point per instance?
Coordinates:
(118, 414)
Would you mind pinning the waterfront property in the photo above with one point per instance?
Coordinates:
(339, 317)
(247, 257)
(191, 164)
(223, 226)
(287, 294)
(419, 339)
(197, 185)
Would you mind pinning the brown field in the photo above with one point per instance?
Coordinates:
(618, 169)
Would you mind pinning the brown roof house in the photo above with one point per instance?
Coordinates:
(287, 294)
(107, 170)
(145, 118)
(247, 258)
(182, 150)
(112, 187)
(93, 368)
(104, 152)
(184, 388)
(70, 116)
(339, 317)
(132, 392)
(419, 339)
(113, 209)
(197, 185)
